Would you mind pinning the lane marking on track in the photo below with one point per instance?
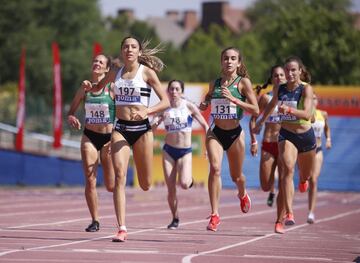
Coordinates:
(83, 208)
(144, 230)
(289, 258)
(196, 208)
(151, 229)
(122, 251)
(187, 259)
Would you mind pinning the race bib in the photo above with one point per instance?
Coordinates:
(97, 113)
(127, 94)
(288, 117)
(175, 121)
(223, 109)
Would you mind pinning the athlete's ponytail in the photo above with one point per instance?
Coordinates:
(258, 88)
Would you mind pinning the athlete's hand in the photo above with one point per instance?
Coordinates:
(203, 105)
(328, 144)
(138, 115)
(225, 92)
(86, 85)
(254, 149)
(74, 122)
(257, 128)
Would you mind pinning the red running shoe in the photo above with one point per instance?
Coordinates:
(279, 228)
(120, 236)
(289, 219)
(245, 203)
(213, 223)
(303, 186)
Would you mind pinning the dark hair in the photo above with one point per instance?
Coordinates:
(305, 74)
(147, 56)
(242, 70)
(179, 81)
(108, 59)
(258, 88)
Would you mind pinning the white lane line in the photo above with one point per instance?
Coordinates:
(152, 229)
(145, 230)
(76, 242)
(322, 203)
(122, 251)
(85, 209)
(82, 204)
(289, 258)
(187, 259)
(127, 215)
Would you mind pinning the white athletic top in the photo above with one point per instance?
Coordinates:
(178, 119)
(274, 116)
(132, 91)
(319, 124)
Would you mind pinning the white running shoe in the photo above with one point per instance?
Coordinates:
(311, 218)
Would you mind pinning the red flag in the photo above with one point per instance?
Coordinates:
(57, 116)
(97, 49)
(20, 116)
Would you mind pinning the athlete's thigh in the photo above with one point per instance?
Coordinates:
(215, 152)
(184, 168)
(120, 153)
(107, 165)
(169, 168)
(287, 154)
(306, 161)
(143, 155)
(318, 164)
(89, 155)
(236, 155)
(267, 166)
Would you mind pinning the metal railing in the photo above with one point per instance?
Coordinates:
(39, 143)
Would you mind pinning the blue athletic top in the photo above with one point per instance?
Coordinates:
(293, 99)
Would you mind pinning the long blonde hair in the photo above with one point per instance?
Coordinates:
(147, 56)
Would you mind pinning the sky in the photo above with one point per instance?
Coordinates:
(147, 8)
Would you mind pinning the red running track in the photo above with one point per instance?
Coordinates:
(47, 225)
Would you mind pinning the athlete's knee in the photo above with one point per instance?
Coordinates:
(91, 181)
(313, 181)
(120, 178)
(238, 178)
(215, 170)
(186, 184)
(287, 170)
(145, 185)
(109, 188)
(265, 187)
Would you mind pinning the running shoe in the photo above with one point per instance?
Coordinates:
(174, 224)
(213, 223)
(120, 236)
(289, 219)
(303, 186)
(311, 218)
(192, 183)
(279, 228)
(270, 199)
(245, 203)
(93, 227)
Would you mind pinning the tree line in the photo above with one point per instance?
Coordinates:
(320, 32)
